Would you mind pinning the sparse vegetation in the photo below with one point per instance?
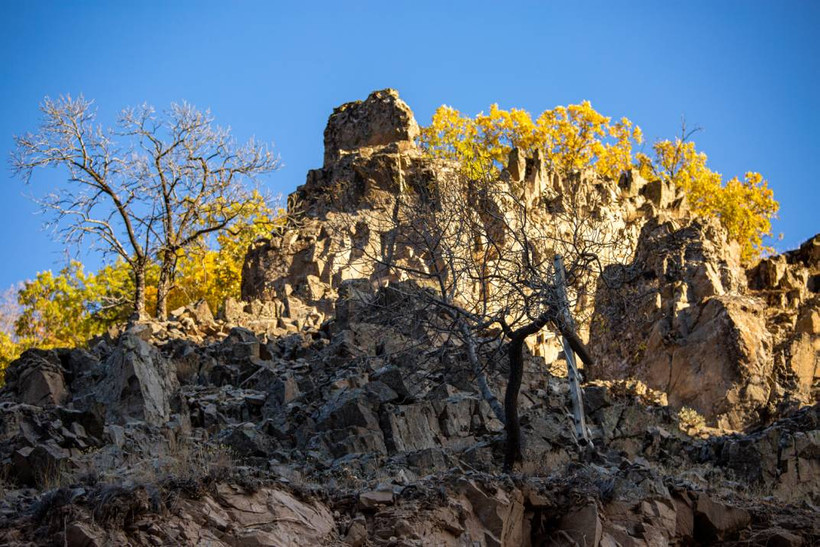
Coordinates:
(691, 421)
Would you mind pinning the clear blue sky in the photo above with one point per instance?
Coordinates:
(748, 72)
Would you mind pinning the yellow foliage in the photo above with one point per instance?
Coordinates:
(69, 308)
(572, 137)
(578, 137)
(9, 351)
(216, 274)
(744, 207)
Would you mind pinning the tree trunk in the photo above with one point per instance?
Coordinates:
(512, 449)
(139, 289)
(162, 296)
(567, 325)
(166, 279)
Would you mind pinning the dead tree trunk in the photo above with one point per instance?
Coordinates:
(515, 350)
(567, 324)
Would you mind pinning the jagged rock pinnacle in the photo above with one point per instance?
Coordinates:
(383, 118)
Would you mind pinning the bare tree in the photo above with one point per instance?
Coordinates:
(104, 200)
(498, 255)
(145, 190)
(196, 176)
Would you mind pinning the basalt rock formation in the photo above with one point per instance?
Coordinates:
(363, 433)
(341, 221)
(331, 408)
(685, 318)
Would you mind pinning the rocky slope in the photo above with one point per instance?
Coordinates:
(329, 409)
(327, 437)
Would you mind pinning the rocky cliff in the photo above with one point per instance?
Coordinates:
(736, 346)
(331, 407)
(342, 222)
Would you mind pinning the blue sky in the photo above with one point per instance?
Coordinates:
(747, 72)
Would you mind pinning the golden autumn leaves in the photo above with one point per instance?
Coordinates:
(68, 308)
(579, 137)
(571, 137)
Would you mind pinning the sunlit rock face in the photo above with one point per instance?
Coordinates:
(342, 220)
(682, 318)
(334, 406)
(674, 309)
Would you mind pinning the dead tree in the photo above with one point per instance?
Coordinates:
(103, 202)
(489, 252)
(196, 176)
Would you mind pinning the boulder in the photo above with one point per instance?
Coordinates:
(411, 427)
(679, 319)
(138, 383)
(716, 521)
(499, 512)
(38, 378)
(660, 193)
(356, 535)
(583, 525)
(631, 183)
(42, 386)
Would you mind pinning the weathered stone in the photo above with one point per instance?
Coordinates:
(684, 517)
(411, 427)
(717, 521)
(349, 410)
(631, 183)
(394, 379)
(516, 165)
(375, 498)
(680, 326)
(42, 465)
(660, 192)
(38, 378)
(139, 384)
(41, 386)
(381, 119)
(284, 519)
(583, 525)
(247, 441)
(500, 512)
(82, 534)
(356, 535)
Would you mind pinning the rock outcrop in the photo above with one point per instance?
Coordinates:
(363, 433)
(682, 318)
(342, 222)
(370, 159)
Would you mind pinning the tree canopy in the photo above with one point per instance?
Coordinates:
(579, 137)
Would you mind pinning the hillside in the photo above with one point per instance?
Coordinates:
(345, 401)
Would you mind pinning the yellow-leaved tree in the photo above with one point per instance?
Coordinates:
(68, 308)
(571, 137)
(744, 207)
(9, 351)
(215, 274)
(579, 137)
